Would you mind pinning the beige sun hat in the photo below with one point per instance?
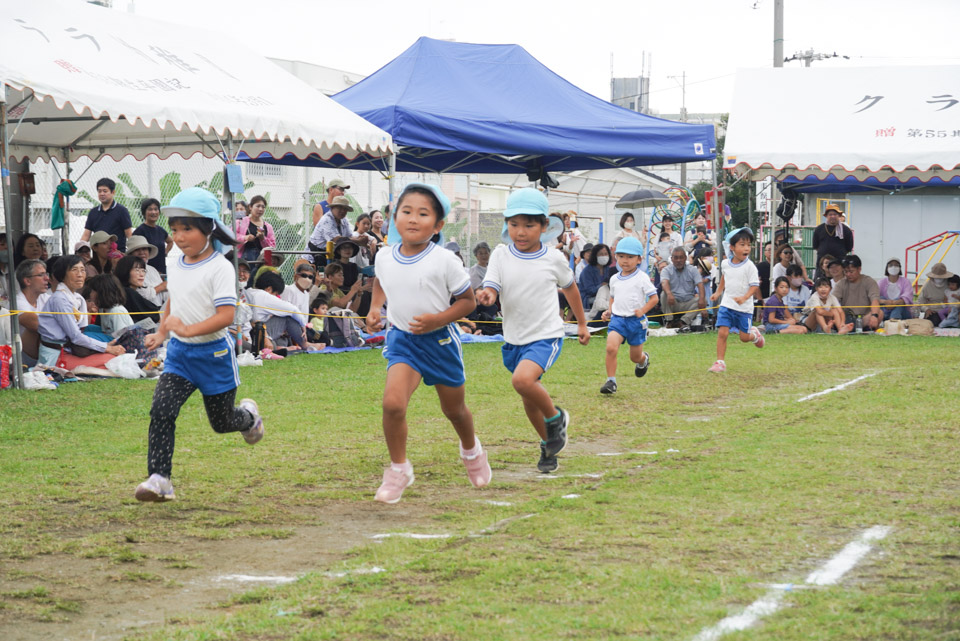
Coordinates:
(139, 242)
(98, 237)
(341, 201)
(939, 270)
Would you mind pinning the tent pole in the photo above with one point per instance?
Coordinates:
(469, 246)
(65, 232)
(16, 372)
(392, 180)
(228, 208)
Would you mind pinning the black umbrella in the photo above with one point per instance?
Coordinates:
(643, 198)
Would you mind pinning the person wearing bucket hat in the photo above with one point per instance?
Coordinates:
(526, 274)
(154, 288)
(739, 285)
(418, 279)
(832, 236)
(331, 226)
(632, 296)
(200, 355)
(335, 187)
(933, 294)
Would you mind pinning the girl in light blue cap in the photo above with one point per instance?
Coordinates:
(200, 355)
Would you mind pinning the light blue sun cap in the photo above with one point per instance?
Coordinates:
(630, 245)
(531, 202)
(393, 236)
(196, 203)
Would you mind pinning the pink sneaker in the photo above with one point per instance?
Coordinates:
(718, 366)
(394, 483)
(478, 469)
(759, 340)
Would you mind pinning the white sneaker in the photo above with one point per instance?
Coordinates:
(155, 489)
(255, 433)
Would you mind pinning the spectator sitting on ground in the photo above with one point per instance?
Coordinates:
(593, 274)
(284, 322)
(244, 313)
(933, 294)
(835, 271)
(29, 247)
(333, 289)
(859, 295)
(317, 327)
(154, 287)
(62, 343)
(298, 294)
(823, 266)
(481, 252)
(131, 271)
(953, 298)
(682, 290)
(581, 261)
(276, 259)
(101, 244)
(34, 284)
(115, 321)
(798, 293)
(780, 245)
(896, 294)
(776, 317)
(155, 235)
(601, 302)
(704, 262)
(82, 249)
(344, 250)
(784, 254)
(823, 313)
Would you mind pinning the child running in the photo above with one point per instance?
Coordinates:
(203, 296)
(632, 295)
(418, 278)
(739, 284)
(527, 273)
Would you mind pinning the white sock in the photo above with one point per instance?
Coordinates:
(474, 453)
(756, 334)
(404, 467)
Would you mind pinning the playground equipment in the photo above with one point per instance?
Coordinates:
(916, 248)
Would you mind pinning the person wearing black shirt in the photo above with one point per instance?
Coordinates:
(832, 237)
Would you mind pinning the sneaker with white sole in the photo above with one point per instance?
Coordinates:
(610, 387)
(255, 433)
(758, 339)
(155, 489)
(394, 483)
(478, 469)
(641, 368)
(718, 366)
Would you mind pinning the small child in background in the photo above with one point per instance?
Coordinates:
(632, 295)
(739, 284)
(663, 250)
(418, 279)
(526, 273)
(316, 328)
(776, 316)
(823, 310)
(797, 292)
(953, 302)
(115, 321)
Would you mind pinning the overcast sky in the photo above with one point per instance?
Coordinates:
(707, 39)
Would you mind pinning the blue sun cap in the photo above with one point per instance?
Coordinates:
(196, 203)
(630, 246)
(436, 191)
(731, 234)
(531, 202)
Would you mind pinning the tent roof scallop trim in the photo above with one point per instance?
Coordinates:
(882, 122)
(100, 82)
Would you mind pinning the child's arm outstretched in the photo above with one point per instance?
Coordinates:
(377, 299)
(463, 304)
(572, 294)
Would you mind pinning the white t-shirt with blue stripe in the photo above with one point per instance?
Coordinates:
(630, 293)
(738, 278)
(420, 284)
(528, 284)
(197, 289)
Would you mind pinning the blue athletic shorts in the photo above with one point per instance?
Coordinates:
(211, 366)
(436, 356)
(736, 321)
(544, 353)
(633, 329)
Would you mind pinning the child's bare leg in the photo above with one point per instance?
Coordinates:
(636, 354)
(722, 335)
(794, 329)
(614, 340)
(536, 401)
(746, 337)
(402, 380)
(455, 409)
(824, 323)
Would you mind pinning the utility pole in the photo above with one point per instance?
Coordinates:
(683, 118)
(777, 33)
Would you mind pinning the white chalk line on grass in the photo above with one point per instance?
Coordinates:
(827, 574)
(339, 575)
(837, 388)
(250, 578)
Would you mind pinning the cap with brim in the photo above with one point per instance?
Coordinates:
(279, 257)
(101, 237)
(630, 246)
(336, 182)
(197, 203)
(139, 242)
(939, 270)
(585, 249)
(346, 241)
(731, 234)
(531, 202)
(81, 245)
(341, 201)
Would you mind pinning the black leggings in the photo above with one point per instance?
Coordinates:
(171, 393)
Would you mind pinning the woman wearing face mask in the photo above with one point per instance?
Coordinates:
(593, 274)
(896, 294)
(930, 301)
(628, 229)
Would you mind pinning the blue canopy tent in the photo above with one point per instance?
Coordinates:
(474, 108)
(851, 184)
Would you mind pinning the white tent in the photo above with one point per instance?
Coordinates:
(889, 122)
(83, 80)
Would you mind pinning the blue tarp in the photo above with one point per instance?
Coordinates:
(473, 108)
(849, 184)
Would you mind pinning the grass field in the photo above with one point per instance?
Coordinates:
(677, 503)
